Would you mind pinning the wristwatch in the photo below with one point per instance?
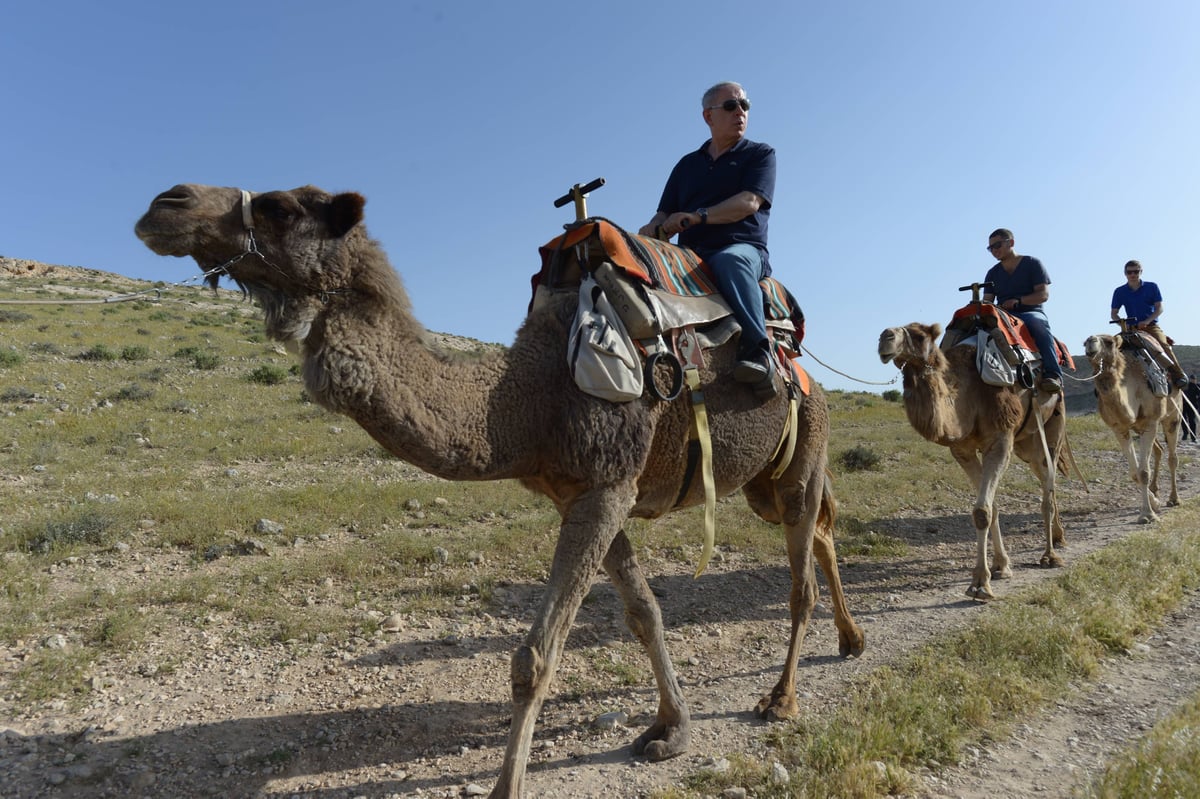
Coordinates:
(703, 214)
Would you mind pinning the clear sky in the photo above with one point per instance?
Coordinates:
(905, 132)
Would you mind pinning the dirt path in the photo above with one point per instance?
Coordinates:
(423, 711)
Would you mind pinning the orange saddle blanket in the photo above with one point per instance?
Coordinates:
(987, 316)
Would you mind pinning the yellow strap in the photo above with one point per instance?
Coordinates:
(701, 433)
(789, 433)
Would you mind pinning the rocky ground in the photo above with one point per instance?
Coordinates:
(422, 709)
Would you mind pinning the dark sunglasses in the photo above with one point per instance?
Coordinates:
(732, 105)
(1133, 271)
(997, 245)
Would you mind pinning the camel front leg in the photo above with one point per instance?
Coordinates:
(588, 529)
(671, 731)
(1141, 471)
(985, 477)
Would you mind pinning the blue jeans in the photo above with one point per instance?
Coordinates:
(737, 270)
(1039, 326)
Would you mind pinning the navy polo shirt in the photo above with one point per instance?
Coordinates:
(1029, 273)
(698, 181)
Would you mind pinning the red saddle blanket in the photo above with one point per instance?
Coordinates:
(985, 315)
(656, 264)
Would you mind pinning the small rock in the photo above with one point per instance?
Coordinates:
(779, 774)
(610, 721)
(471, 789)
(56, 641)
(392, 624)
(267, 527)
(733, 793)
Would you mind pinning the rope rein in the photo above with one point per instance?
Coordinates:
(809, 353)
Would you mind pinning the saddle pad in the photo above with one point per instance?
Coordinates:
(657, 264)
(974, 315)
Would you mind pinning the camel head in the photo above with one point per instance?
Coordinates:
(288, 250)
(914, 344)
(1100, 348)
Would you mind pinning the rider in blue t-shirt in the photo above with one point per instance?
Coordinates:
(1020, 285)
(1142, 302)
(718, 199)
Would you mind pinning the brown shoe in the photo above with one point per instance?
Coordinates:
(1052, 385)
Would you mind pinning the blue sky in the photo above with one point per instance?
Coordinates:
(905, 132)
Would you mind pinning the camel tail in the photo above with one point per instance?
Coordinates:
(1067, 463)
(827, 515)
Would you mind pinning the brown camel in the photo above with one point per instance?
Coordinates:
(983, 425)
(1129, 408)
(326, 286)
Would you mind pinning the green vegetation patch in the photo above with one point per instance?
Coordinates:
(968, 687)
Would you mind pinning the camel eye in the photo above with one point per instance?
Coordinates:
(274, 209)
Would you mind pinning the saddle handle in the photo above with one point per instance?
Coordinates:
(579, 193)
(977, 289)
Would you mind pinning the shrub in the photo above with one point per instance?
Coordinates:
(858, 459)
(16, 394)
(132, 393)
(269, 375)
(199, 359)
(10, 358)
(86, 528)
(135, 353)
(892, 395)
(98, 352)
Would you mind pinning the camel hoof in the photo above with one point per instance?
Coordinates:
(851, 645)
(1148, 518)
(980, 593)
(1051, 561)
(779, 707)
(661, 742)
(1002, 574)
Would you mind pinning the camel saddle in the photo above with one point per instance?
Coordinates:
(1010, 334)
(664, 294)
(1155, 360)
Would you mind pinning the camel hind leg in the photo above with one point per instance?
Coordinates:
(669, 734)
(807, 511)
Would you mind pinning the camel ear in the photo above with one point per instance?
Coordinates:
(935, 330)
(345, 211)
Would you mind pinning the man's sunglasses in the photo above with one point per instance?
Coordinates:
(731, 105)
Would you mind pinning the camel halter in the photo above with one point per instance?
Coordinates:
(251, 244)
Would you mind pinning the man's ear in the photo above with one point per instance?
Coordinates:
(345, 211)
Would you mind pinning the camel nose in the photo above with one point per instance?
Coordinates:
(179, 196)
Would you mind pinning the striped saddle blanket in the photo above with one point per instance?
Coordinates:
(642, 270)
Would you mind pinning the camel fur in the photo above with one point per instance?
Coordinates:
(328, 288)
(983, 426)
(1129, 408)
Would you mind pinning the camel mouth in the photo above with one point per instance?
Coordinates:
(887, 346)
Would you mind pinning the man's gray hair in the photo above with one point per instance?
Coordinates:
(707, 99)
